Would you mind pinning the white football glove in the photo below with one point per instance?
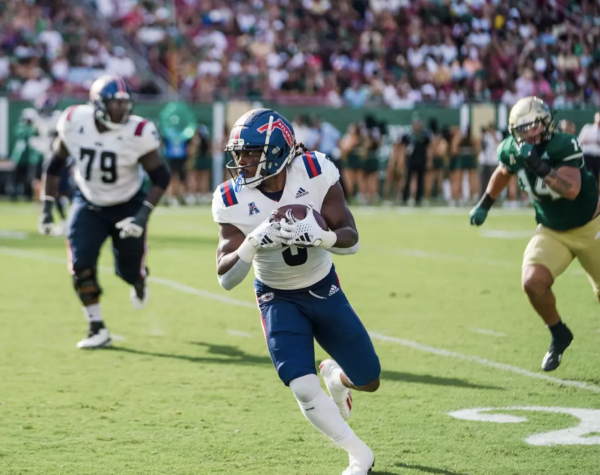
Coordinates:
(129, 228)
(268, 235)
(133, 227)
(307, 232)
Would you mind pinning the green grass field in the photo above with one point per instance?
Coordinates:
(190, 388)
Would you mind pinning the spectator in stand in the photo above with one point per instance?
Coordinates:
(317, 51)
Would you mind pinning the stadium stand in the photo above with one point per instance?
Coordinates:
(50, 47)
(386, 52)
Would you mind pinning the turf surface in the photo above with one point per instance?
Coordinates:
(191, 389)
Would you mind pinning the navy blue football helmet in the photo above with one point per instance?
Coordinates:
(108, 88)
(261, 130)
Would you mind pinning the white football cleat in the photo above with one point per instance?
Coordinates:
(138, 301)
(99, 339)
(341, 395)
(361, 462)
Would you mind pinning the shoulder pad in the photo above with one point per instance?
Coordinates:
(140, 127)
(69, 118)
(69, 113)
(313, 167)
(228, 194)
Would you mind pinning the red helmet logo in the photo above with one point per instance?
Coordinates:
(279, 124)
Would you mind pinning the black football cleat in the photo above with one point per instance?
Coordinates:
(557, 348)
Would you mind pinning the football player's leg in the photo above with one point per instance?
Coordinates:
(473, 183)
(130, 265)
(588, 252)
(87, 232)
(290, 341)
(546, 257)
(407, 183)
(340, 333)
(421, 170)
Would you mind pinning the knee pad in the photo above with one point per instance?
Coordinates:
(306, 388)
(86, 285)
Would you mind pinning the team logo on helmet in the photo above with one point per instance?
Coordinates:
(279, 124)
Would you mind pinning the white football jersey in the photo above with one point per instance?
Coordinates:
(105, 165)
(308, 180)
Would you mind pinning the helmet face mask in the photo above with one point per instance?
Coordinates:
(261, 144)
(530, 133)
(247, 166)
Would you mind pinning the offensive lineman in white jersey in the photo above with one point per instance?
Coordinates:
(111, 149)
(297, 289)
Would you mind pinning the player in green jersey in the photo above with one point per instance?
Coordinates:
(551, 170)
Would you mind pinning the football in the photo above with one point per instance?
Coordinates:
(299, 212)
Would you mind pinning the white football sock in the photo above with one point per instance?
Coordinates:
(92, 313)
(323, 413)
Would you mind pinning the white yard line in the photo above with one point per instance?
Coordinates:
(201, 293)
(156, 280)
(482, 361)
(239, 333)
(440, 256)
(483, 331)
(375, 335)
(502, 234)
(10, 234)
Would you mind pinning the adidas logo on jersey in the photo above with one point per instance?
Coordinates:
(301, 192)
(334, 290)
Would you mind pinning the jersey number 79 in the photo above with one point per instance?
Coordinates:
(108, 165)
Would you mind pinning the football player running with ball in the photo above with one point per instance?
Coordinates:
(111, 149)
(297, 289)
(551, 170)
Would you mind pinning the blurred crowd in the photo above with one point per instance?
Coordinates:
(396, 53)
(411, 164)
(52, 47)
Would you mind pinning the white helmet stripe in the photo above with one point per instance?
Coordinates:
(263, 156)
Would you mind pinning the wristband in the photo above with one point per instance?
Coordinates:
(247, 251)
(329, 239)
